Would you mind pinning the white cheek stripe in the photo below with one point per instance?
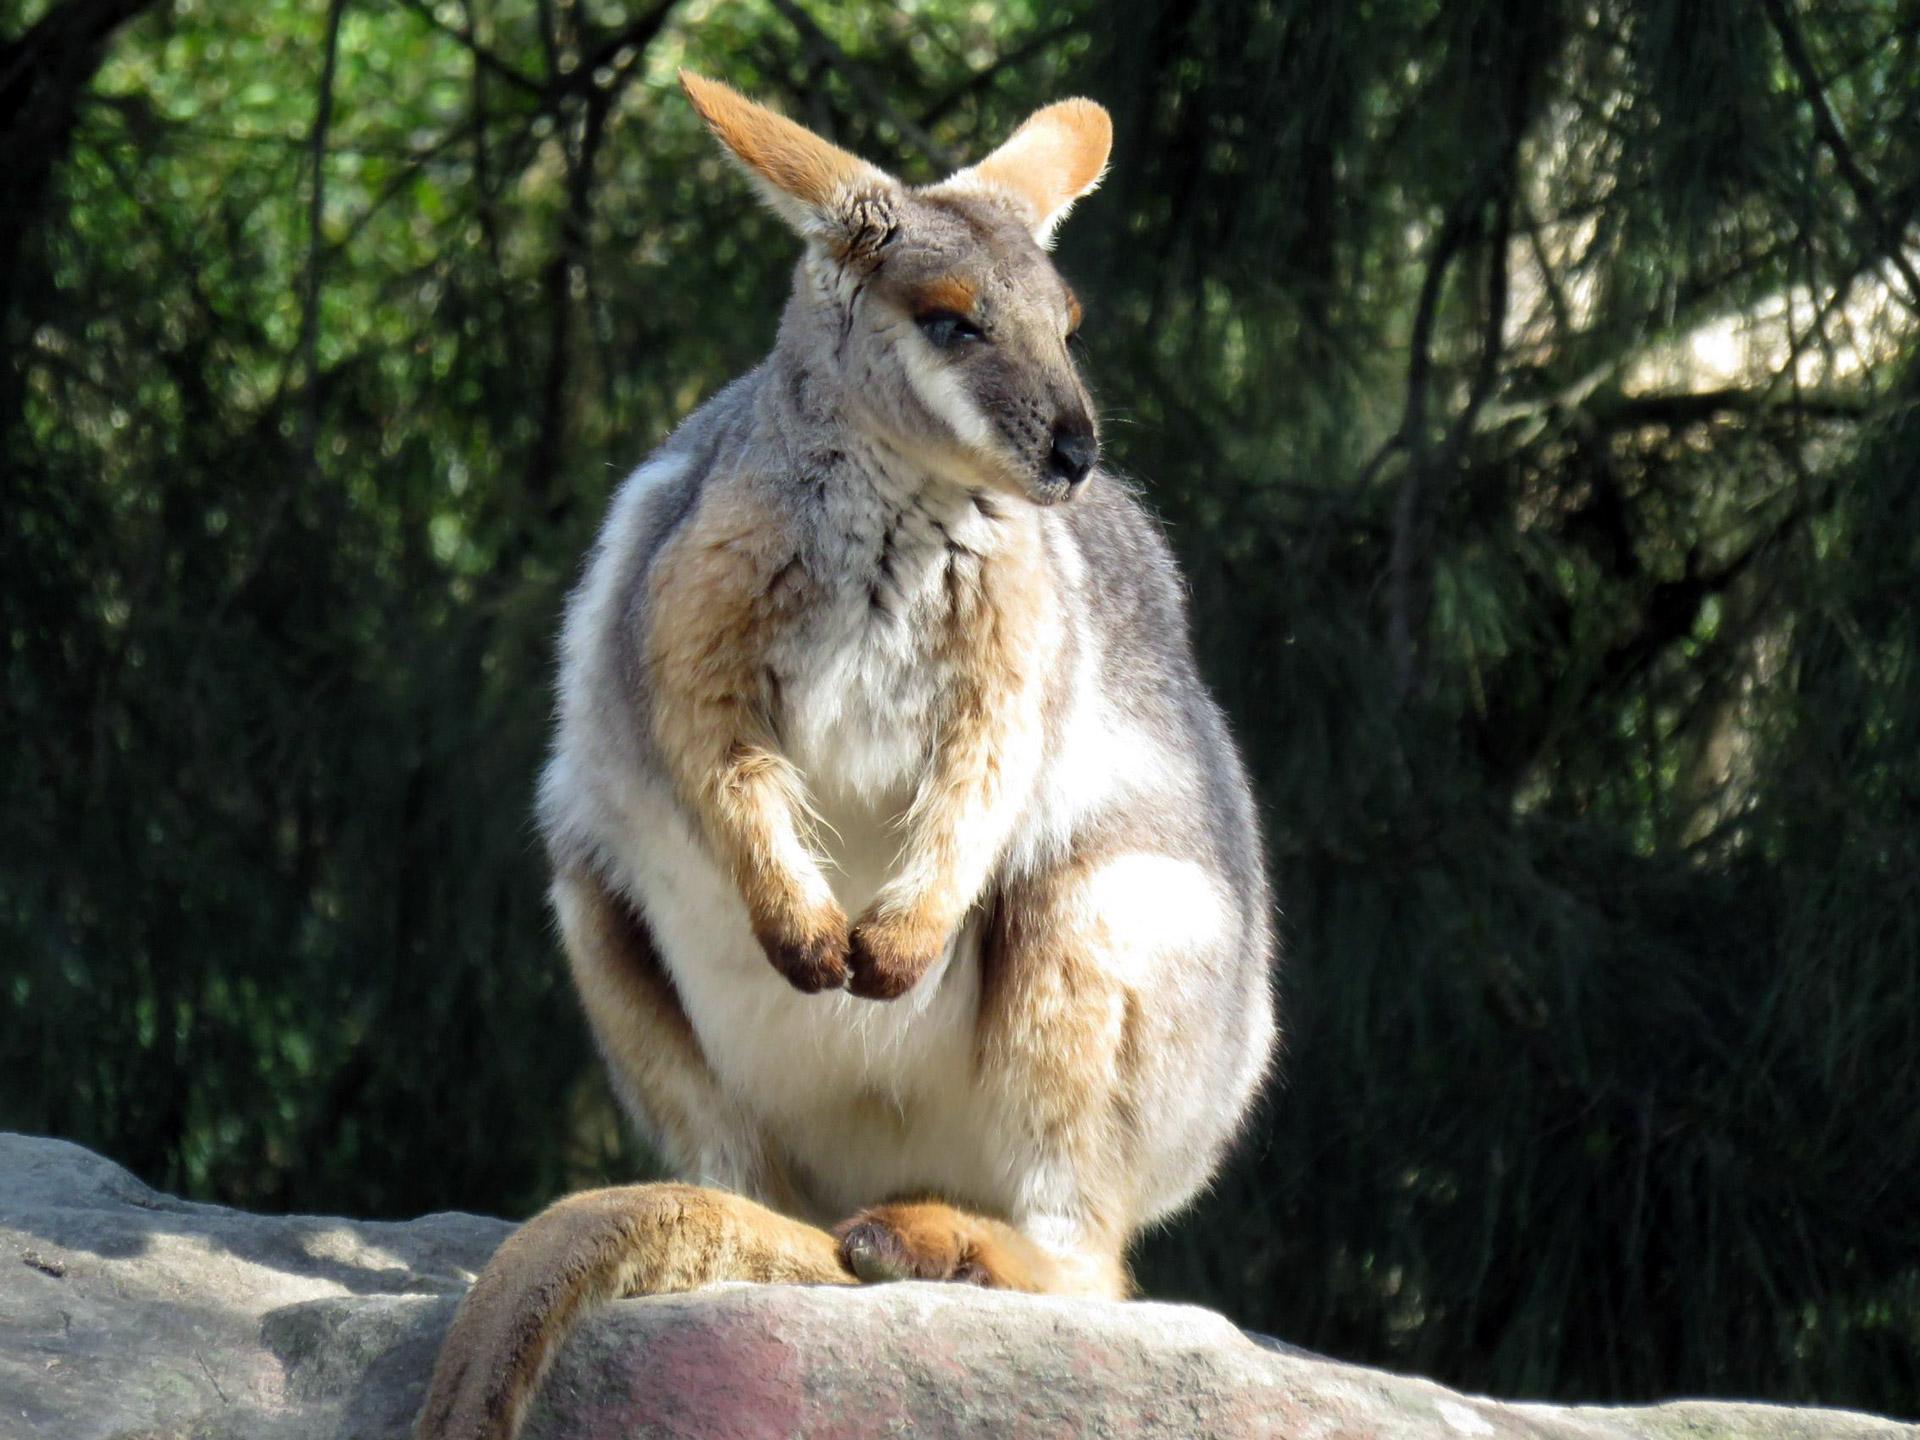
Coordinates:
(941, 394)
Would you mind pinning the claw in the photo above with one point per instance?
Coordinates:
(874, 1253)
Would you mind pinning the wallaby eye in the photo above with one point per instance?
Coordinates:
(944, 329)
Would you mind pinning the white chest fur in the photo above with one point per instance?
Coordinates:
(858, 700)
(861, 678)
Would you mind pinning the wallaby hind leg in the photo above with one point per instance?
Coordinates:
(653, 1057)
(590, 1248)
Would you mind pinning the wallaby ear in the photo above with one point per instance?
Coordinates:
(817, 188)
(1057, 155)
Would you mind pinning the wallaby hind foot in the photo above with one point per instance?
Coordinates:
(931, 1240)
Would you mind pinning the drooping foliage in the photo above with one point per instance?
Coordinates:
(1531, 390)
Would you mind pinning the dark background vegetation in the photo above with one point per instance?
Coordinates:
(1530, 388)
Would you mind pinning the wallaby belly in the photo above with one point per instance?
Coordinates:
(867, 1100)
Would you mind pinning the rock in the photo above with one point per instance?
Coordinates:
(125, 1313)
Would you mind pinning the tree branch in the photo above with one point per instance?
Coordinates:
(1412, 437)
(44, 72)
(1677, 411)
(1498, 183)
(316, 239)
(983, 77)
(635, 36)
(1828, 125)
(870, 94)
(482, 56)
(543, 467)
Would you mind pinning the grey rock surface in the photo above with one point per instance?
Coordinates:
(125, 1313)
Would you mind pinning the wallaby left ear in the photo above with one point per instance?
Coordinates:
(819, 189)
(1057, 155)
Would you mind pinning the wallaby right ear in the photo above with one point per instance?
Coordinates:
(1057, 155)
(817, 188)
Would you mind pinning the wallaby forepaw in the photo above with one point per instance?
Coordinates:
(813, 958)
(887, 958)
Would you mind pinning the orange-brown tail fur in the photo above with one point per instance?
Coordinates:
(588, 1249)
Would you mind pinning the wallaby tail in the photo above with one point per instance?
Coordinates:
(590, 1248)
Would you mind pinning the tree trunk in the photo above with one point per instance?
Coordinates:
(43, 73)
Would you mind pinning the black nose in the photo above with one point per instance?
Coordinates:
(1073, 454)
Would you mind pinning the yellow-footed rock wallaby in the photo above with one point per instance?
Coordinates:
(907, 872)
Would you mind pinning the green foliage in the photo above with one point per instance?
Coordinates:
(1532, 391)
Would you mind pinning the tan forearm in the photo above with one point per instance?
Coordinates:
(721, 593)
(752, 807)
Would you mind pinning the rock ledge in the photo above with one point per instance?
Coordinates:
(125, 1313)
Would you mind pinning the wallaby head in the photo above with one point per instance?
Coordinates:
(932, 315)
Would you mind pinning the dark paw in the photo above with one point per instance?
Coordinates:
(811, 963)
(881, 967)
